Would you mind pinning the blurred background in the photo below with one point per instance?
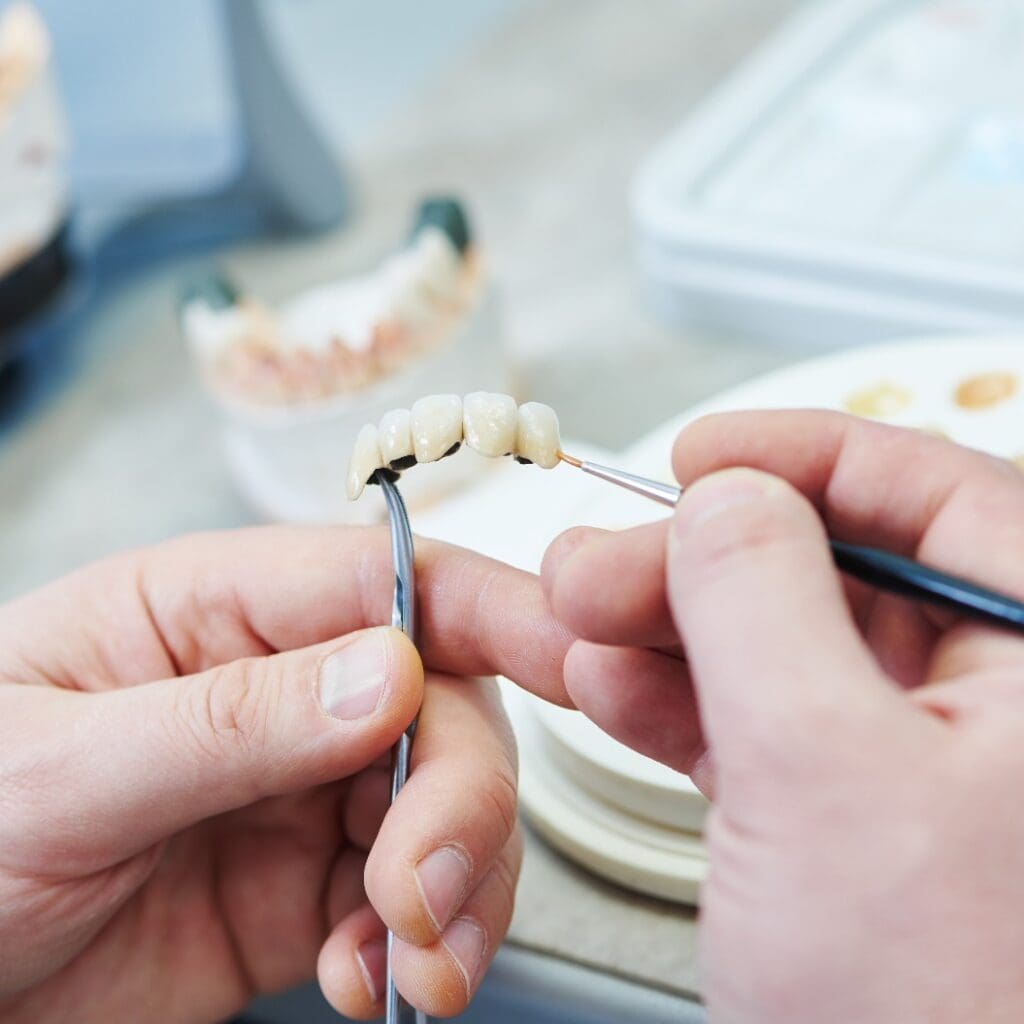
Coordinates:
(214, 267)
(537, 116)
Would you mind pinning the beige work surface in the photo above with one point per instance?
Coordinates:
(540, 128)
(566, 911)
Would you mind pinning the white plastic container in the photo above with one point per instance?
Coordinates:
(861, 177)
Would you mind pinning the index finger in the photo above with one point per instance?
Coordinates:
(899, 489)
(211, 598)
(904, 490)
(477, 616)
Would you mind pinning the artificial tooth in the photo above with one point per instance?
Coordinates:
(438, 263)
(436, 426)
(395, 438)
(366, 460)
(489, 423)
(537, 437)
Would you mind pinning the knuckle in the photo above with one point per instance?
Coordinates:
(506, 878)
(229, 712)
(500, 799)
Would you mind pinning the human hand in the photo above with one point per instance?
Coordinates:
(188, 817)
(864, 753)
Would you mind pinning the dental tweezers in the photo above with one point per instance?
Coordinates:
(403, 617)
(881, 569)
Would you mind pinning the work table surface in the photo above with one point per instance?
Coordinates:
(540, 126)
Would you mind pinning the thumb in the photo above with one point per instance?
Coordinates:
(124, 769)
(780, 670)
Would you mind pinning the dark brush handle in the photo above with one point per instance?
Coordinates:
(892, 573)
(899, 575)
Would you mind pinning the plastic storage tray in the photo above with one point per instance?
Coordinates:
(861, 177)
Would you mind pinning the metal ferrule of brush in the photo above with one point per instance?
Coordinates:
(664, 494)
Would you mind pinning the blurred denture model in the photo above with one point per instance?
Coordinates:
(342, 337)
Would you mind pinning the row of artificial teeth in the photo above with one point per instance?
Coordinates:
(436, 426)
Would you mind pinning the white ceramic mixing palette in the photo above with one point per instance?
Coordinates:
(633, 851)
(929, 371)
(620, 814)
(613, 773)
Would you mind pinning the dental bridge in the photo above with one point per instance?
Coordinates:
(436, 427)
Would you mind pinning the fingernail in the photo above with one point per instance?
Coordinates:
(442, 878)
(352, 678)
(372, 957)
(715, 494)
(465, 940)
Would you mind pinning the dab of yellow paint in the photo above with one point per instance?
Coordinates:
(880, 401)
(985, 390)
